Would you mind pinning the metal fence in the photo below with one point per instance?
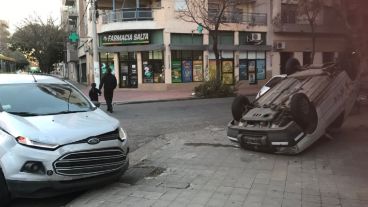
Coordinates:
(122, 15)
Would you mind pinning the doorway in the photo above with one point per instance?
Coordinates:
(284, 57)
(128, 70)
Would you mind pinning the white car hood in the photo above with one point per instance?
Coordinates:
(59, 129)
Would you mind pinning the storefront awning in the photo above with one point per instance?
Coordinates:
(132, 48)
(188, 47)
(255, 47)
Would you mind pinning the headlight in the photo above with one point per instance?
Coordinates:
(30, 143)
(122, 134)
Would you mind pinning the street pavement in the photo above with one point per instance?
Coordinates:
(203, 168)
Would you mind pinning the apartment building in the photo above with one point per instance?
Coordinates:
(292, 35)
(148, 46)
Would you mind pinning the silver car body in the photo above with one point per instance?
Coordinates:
(331, 92)
(88, 148)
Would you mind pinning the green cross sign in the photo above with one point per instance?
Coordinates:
(200, 28)
(73, 37)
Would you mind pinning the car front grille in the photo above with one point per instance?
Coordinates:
(90, 162)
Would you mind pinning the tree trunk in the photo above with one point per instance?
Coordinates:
(313, 42)
(217, 56)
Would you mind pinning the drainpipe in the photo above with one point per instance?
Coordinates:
(96, 63)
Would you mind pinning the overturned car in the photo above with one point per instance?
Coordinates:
(292, 111)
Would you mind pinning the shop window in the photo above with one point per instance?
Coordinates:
(153, 67)
(187, 66)
(128, 70)
(252, 66)
(226, 64)
(107, 61)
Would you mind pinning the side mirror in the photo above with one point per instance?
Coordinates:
(96, 103)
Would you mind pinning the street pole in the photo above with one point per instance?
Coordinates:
(96, 63)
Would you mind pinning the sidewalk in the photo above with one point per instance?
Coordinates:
(129, 96)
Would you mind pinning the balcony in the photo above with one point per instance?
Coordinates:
(68, 2)
(122, 15)
(259, 19)
(72, 12)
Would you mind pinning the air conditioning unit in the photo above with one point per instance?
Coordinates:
(254, 37)
(280, 45)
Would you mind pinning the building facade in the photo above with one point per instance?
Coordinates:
(148, 46)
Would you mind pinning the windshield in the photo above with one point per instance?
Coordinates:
(42, 99)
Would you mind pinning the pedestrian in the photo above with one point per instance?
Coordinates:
(108, 82)
(94, 92)
(292, 65)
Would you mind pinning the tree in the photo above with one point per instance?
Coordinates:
(4, 35)
(310, 9)
(209, 14)
(41, 41)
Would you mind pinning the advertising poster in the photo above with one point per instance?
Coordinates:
(186, 70)
(243, 74)
(176, 71)
(261, 70)
(252, 72)
(147, 73)
(197, 70)
(227, 66)
(228, 78)
(212, 69)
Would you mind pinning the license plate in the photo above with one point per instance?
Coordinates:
(257, 141)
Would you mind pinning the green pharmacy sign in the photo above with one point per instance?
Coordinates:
(134, 38)
(73, 37)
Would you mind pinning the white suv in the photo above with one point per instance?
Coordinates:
(53, 139)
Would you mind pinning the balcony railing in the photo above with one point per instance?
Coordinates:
(241, 17)
(134, 14)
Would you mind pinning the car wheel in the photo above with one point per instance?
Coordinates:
(239, 106)
(304, 112)
(4, 193)
(337, 123)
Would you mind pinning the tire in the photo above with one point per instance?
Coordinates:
(304, 112)
(239, 107)
(4, 193)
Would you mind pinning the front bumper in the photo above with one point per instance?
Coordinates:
(275, 140)
(41, 189)
(69, 168)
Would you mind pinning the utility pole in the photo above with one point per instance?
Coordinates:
(96, 63)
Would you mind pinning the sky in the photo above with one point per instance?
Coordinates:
(14, 11)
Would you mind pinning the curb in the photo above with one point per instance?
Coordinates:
(165, 100)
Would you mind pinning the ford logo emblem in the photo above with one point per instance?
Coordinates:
(93, 140)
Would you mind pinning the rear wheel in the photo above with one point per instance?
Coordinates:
(239, 107)
(4, 193)
(304, 112)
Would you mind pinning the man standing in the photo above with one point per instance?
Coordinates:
(109, 83)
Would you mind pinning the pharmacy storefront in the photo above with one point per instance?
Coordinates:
(135, 57)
